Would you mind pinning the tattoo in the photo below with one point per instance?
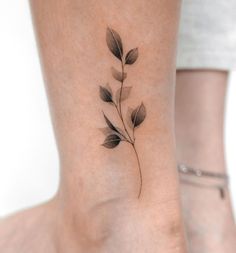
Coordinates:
(125, 133)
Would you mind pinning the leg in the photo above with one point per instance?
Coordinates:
(200, 99)
(106, 194)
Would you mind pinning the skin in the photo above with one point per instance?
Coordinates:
(96, 208)
(200, 100)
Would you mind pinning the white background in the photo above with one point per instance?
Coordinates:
(29, 170)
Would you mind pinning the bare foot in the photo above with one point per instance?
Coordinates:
(28, 231)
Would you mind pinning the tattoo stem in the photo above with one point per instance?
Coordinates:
(119, 103)
(140, 171)
(131, 141)
(121, 118)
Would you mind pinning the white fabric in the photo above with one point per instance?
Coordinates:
(207, 36)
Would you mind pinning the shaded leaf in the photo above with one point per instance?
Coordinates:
(128, 117)
(112, 141)
(114, 43)
(110, 125)
(138, 115)
(105, 94)
(118, 75)
(125, 93)
(131, 56)
(107, 131)
(109, 88)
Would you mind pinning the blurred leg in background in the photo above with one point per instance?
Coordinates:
(200, 100)
(206, 53)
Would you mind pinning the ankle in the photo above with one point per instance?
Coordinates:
(107, 224)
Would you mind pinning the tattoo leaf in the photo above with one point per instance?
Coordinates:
(125, 93)
(119, 76)
(112, 141)
(105, 94)
(114, 43)
(128, 117)
(110, 125)
(131, 56)
(107, 131)
(138, 115)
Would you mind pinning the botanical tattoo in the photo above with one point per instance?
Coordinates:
(125, 133)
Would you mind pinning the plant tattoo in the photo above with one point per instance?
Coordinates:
(114, 135)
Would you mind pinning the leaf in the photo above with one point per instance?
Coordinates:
(107, 131)
(128, 117)
(138, 115)
(110, 125)
(118, 75)
(111, 141)
(131, 56)
(105, 94)
(114, 43)
(108, 88)
(125, 93)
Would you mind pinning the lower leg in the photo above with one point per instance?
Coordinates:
(101, 200)
(200, 98)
